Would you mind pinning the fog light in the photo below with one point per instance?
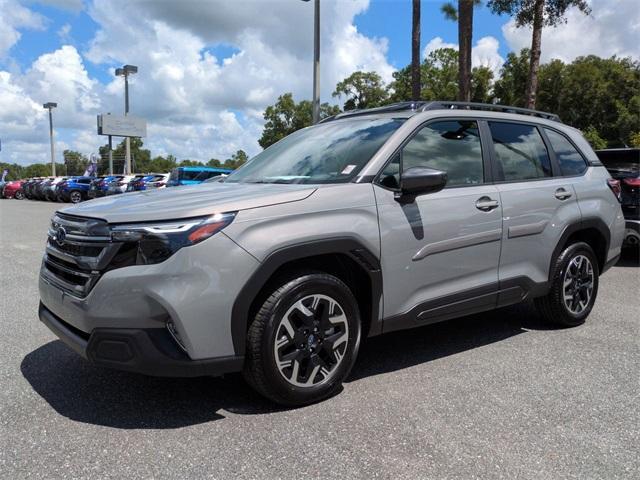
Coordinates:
(176, 336)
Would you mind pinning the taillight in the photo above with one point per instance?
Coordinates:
(614, 185)
(632, 182)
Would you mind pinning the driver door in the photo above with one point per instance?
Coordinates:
(440, 251)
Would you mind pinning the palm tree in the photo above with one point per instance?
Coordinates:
(538, 14)
(464, 16)
(415, 52)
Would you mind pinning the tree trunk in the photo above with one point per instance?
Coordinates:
(465, 33)
(415, 52)
(534, 64)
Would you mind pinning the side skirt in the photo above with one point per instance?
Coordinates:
(468, 302)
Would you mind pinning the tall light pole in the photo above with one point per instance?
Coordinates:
(316, 61)
(125, 72)
(50, 106)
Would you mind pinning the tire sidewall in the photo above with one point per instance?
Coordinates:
(294, 291)
(565, 259)
(71, 195)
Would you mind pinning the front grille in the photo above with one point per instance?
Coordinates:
(78, 252)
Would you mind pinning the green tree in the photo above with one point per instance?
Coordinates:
(603, 94)
(140, 157)
(286, 116)
(75, 163)
(481, 83)
(635, 140)
(551, 86)
(592, 136)
(362, 90)
(237, 159)
(510, 88)
(537, 14)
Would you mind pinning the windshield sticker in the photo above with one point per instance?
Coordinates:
(348, 169)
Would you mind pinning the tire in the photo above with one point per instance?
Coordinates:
(75, 196)
(297, 352)
(19, 195)
(575, 273)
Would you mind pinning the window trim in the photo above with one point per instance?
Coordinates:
(487, 167)
(555, 157)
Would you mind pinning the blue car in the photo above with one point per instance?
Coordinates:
(194, 175)
(74, 189)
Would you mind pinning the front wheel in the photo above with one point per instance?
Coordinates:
(304, 339)
(574, 287)
(19, 195)
(75, 196)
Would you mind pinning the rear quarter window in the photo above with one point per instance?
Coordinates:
(569, 158)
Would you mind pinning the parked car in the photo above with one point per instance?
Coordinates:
(50, 189)
(119, 185)
(624, 165)
(2, 184)
(99, 185)
(13, 189)
(391, 218)
(194, 175)
(148, 182)
(29, 186)
(39, 188)
(74, 189)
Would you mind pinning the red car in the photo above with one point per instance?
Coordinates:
(13, 190)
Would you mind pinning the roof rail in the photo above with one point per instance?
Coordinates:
(436, 105)
(423, 106)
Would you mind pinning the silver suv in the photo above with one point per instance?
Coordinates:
(370, 222)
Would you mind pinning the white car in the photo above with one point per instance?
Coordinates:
(120, 185)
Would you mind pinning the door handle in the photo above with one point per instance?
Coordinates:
(486, 204)
(562, 194)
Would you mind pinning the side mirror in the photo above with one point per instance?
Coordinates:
(421, 180)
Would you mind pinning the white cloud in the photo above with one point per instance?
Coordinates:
(613, 28)
(198, 106)
(483, 54)
(14, 17)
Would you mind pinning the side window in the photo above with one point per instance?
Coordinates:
(570, 160)
(520, 152)
(452, 146)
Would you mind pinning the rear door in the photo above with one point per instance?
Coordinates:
(537, 205)
(440, 251)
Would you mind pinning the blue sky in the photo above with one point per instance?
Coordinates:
(209, 68)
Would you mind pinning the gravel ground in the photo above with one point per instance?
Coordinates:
(497, 395)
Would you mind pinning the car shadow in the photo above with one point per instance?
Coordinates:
(630, 257)
(85, 393)
(407, 348)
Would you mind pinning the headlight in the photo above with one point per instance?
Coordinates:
(155, 242)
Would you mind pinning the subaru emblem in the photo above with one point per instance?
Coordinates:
(60, 235)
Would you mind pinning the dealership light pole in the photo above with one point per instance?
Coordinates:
(125, 72)
(316, 61)
(50, 106)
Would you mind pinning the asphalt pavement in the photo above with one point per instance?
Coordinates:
(497, 395)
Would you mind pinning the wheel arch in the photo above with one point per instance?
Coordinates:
(592, 231)
(344, 257)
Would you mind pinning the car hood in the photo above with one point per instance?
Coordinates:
(188, 201)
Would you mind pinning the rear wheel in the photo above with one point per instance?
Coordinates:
(19, 195)
(304, 339)
(574, 287)
(75, 196)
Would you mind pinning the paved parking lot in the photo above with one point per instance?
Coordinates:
(497, 395)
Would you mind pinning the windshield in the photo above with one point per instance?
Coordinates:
(331, 152)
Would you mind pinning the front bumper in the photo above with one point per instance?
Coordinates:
(150, 351)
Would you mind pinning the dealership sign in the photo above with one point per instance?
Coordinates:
(122, 126)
